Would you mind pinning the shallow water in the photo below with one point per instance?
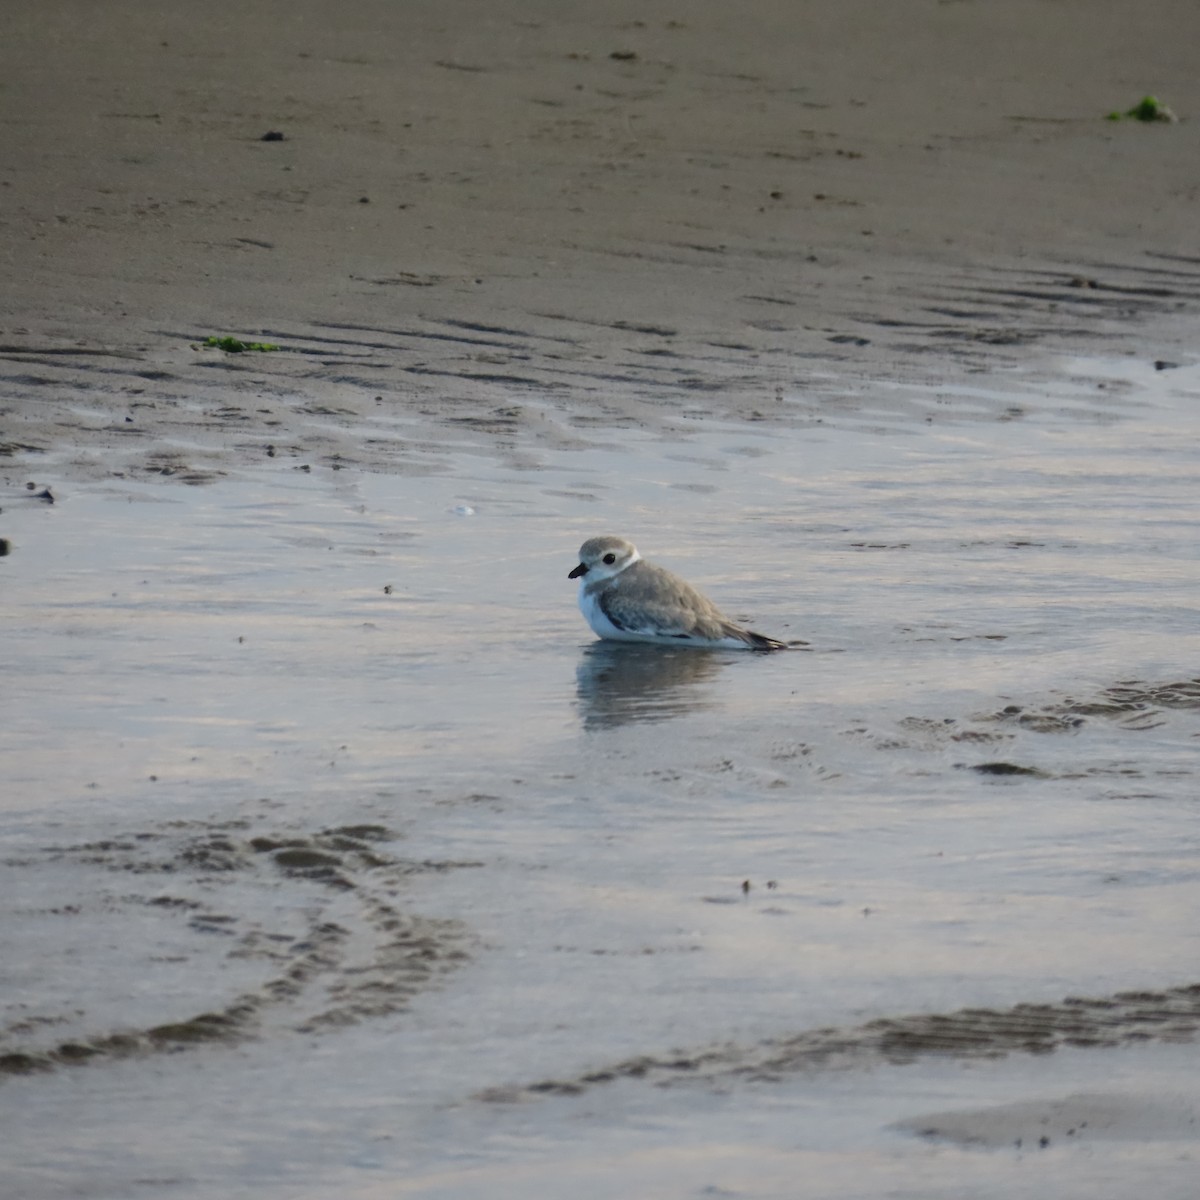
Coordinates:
(342, 856)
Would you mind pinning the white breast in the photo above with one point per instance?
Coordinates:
(589, 605)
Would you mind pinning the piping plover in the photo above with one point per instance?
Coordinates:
(626, 599)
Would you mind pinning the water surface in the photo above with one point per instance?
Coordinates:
(342, 856)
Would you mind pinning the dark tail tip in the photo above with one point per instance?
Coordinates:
(757, 641)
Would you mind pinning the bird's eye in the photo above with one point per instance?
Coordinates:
(610, 559)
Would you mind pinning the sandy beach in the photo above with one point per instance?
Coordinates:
(849, 308)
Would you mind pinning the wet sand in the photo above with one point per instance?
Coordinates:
(502, 219)
(869, 318)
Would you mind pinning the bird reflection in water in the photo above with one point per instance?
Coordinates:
(620, 682)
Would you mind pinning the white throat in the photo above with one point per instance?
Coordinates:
(602, 572)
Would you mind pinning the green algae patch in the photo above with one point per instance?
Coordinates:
(232, 345)
(1148, 108)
